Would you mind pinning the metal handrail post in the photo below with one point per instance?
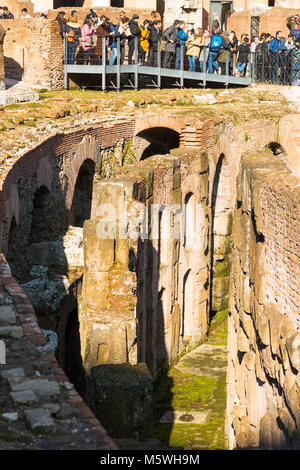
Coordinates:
(103, 63)
(181, 65)
(66, 77)
(204, 66)
(227, 55)
(136, 73)
(250, 75)
(118, 63)
(159, 64)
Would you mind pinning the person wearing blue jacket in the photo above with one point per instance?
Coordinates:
(182, 37)
(274, 47)
(113, 43)
(217, 41)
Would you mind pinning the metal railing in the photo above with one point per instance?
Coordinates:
(280, 68)
(87, 62)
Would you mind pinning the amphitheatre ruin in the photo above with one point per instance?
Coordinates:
(150, 263)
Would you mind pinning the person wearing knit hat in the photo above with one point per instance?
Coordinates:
(135, 32)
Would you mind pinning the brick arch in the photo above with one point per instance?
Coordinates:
(86, 150)
(176, 125)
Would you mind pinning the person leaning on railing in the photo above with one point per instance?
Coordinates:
(243, 56)
(73, 34)
(261, 61)
(154, 39)
(204, 51)
(124, 31)
(284, 59)
(224, 54)
(170, 36)
(144, 40)
(193, 46)
(103, 30)
(181, 45)
(217, 41)
(87, 32)
(274, 47)
(135, 33)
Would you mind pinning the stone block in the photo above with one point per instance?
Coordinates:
(9, 373)
(11, 332)
(10, 417)
(42, 387)
(11, 97)
(39, 421)
(7, 314)
(28, 397)
(123, 399)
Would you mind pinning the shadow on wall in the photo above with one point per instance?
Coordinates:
(13, 69)
(214, 193)
(151, 327)
(155, 141)
(40, 253)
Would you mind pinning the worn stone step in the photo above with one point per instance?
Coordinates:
(39, 421)
(41, 387)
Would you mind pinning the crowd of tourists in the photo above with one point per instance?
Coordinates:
(274, 58)
(265, 57)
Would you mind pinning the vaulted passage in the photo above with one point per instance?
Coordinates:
(82, 199)
(40, 229)
(157, 141)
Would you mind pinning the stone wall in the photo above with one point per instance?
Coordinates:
(33, 51)
(274, 19)
(264, 344)
(146, 312)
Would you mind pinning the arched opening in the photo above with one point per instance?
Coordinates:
(156, 141)
(189, 221)
(40, 230)
(187, 306)
(73, 361)
(15, 252)
(82, 198)
(275, 148)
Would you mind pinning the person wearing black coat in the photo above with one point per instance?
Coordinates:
(154, 39)
(171, 37)
(135, 32)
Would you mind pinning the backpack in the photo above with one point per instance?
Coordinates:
(216, 43)
(71, 36)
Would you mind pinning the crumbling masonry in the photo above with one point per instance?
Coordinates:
(146, 247)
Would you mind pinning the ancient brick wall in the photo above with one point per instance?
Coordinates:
(72, 148)
(170, 277)
(112, 13)
(263, 343)
(15, 7)
(271, 21)
(33, 51)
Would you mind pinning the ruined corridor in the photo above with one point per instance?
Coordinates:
(150, 273)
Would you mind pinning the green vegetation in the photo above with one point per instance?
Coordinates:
(203, 390)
